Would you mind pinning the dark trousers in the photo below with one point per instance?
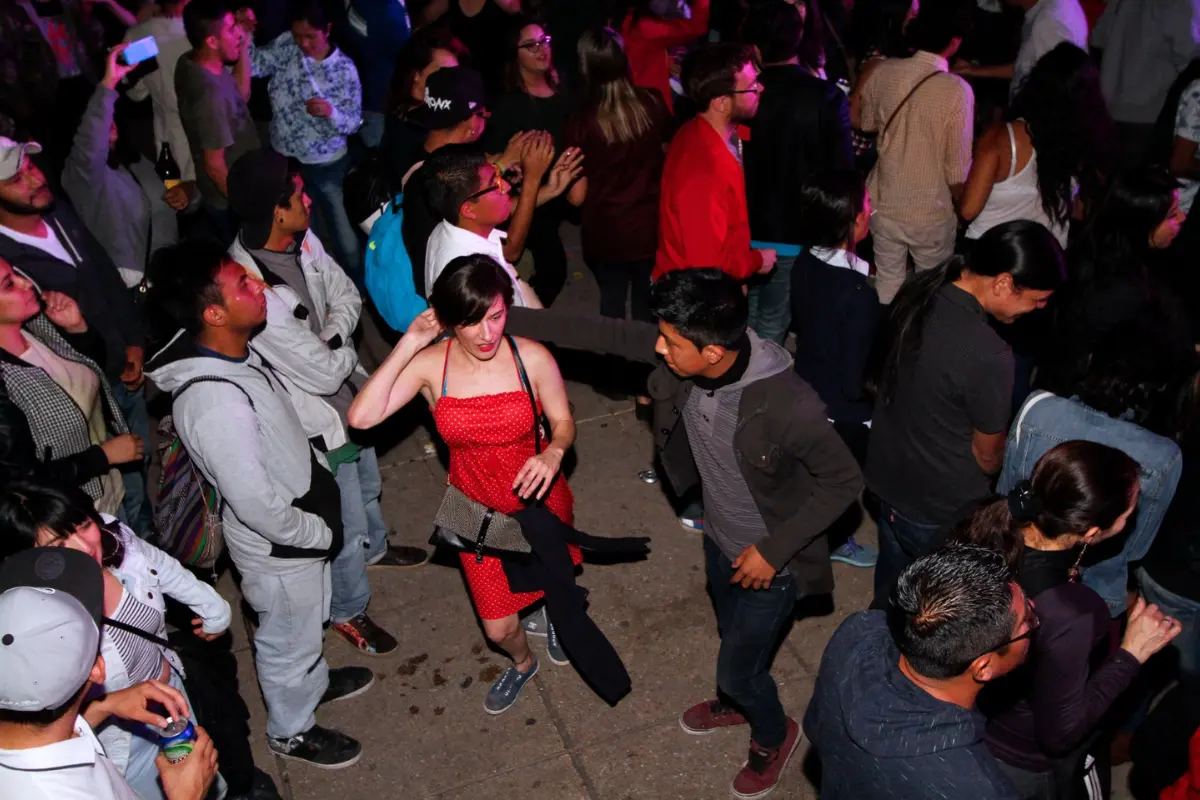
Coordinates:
(749, 621)
(618, 278)
(901, 542)
(549, 256)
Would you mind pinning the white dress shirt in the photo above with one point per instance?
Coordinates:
(1145, 44)
(448, 242)
(76, 769)
(1047, 25)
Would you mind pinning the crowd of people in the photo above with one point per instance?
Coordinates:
(930, 264)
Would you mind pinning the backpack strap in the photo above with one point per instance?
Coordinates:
(210, 379)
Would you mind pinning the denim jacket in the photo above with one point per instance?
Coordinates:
(1046, 420)
(296, 78)
(150, 575)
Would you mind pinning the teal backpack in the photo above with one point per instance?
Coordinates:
(389, 270)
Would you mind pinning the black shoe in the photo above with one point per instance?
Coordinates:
(366, 636)
(347, 682)
(401, 557)
(321, 747)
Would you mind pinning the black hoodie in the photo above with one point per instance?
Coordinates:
(878, 734)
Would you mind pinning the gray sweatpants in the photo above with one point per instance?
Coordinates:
(292, 671)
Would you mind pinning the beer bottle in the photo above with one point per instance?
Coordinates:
(166, 167)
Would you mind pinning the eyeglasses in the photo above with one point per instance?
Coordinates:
(536, 45)
(754, 88)
(502, 186)
(1032, 622)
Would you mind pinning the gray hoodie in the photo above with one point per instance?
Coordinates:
(120, 207)
(258, 458)
(732, 517)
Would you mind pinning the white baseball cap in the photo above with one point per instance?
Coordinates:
(51, 608)
(12, 154)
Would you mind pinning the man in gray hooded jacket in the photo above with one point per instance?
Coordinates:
(279, 503)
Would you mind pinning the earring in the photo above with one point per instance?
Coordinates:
(1074, 574)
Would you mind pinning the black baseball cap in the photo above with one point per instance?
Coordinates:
(256, 182)
(452, 94)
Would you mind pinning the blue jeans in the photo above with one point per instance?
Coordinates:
(1187, 643)
(360, 485)
(135, 509)
(901, 542)
(749, 621)
(770, 300)
(1046, 420)
(323, 182)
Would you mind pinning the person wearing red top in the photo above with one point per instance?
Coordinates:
(702, 215)
(650, 37)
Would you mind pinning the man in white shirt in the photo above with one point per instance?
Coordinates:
(1048, 23)
(51, 609)
(159, 85)
(1145, 44)
(472, 199)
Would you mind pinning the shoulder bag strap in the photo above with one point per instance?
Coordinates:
(537, 421)
(211, 379)
(904, 102)
(150, 637)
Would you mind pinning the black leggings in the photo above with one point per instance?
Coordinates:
(549, 256)
(616, 278)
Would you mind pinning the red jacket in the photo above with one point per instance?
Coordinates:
(649, 38)
(702, 216)
(1188, 787)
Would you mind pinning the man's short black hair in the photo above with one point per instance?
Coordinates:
(182, 283)
(453, 176)
(202, 18)
(939, 22)
(705, 305)
(709, 72)
(951, 607)
(776, 29)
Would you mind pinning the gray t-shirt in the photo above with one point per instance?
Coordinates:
(215, 117)
(960, 381)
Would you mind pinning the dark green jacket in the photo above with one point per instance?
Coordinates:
(799, 472)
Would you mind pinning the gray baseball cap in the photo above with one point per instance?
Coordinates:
(12, 154)
(51, 609)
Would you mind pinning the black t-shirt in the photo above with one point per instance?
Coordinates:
(960, 381)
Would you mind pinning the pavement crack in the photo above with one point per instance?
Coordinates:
(568, 740)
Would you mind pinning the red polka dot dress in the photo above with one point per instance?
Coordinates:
(490, 438)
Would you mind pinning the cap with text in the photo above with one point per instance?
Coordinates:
(12, 154)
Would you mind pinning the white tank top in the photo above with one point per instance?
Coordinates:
(1015, 197)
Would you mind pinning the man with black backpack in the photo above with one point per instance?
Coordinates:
(280, 509)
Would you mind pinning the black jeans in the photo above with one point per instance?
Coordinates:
(901, 542)
(549, 256)
(618, 278)
(749, 621)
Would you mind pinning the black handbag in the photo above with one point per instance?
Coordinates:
(468, 525)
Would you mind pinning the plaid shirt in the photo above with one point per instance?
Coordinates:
(927, 149)
(58, 425)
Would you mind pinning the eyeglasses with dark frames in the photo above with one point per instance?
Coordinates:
(1032, 622)
(754, 88)
(501, 185)
(536, 45)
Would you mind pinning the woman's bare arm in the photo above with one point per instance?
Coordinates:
(402, 375)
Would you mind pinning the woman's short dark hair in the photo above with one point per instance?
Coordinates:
(1024, 249)
(467, 288)
(709, 72)
(27, 507)
(830, 202)
(776, 28)
(1075, 486)
(951, 607)
(706, 306)
(415, 56)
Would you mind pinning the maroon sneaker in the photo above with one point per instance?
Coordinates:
(762, 771)
(705, 718)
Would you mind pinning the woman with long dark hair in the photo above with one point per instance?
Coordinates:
(481, 405)
(942, 380)
(533, 100)
(1055, 146)
(622, 130)
(1041, 718)
(137, 575)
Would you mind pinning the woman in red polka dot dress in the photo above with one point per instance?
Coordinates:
(482, 411)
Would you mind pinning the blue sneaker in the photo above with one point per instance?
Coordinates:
(855, 554)
(554, 648)
(507, 688)
(692, 523)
